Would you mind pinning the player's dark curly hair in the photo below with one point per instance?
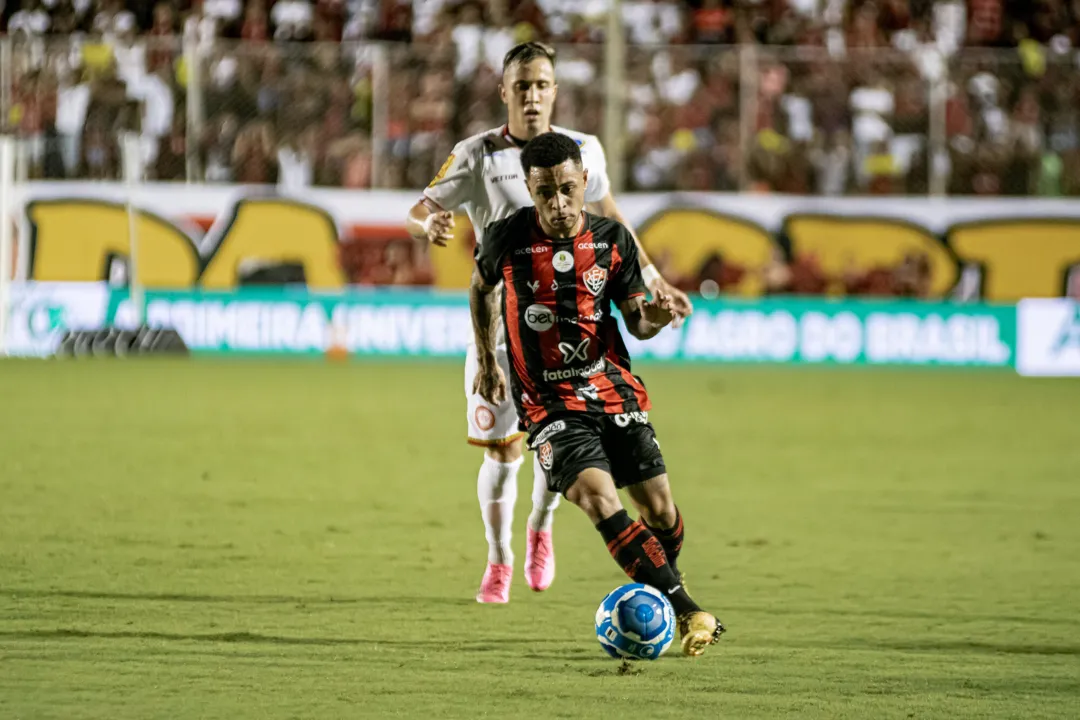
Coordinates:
(548, 150)
(527, 52)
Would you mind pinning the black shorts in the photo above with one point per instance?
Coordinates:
(624, 446)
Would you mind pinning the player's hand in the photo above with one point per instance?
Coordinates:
(490, 384)
(439, 227)
(679, 302)
(660, 310)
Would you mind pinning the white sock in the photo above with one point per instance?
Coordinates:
(544, 502)
(496, 489)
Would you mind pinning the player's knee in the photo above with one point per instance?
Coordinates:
(594, 492)
(507, 453)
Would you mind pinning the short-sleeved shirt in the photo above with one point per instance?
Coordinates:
(483, 176)
(566, 351)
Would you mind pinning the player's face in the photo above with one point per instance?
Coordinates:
(529, 90)
(559, 195)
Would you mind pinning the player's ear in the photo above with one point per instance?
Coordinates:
(584, 176)
(502, 94)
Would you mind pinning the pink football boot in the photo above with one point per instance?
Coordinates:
(495, 587)
(540, 560)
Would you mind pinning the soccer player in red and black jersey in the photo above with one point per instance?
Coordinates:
(585, 412)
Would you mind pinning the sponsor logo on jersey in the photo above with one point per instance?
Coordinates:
(594, 318)
(485, 419)
(443, 170)
(624, 419)
(556, 427)
(587, 371)
(534, 285)
(546, 456)
(533, 250)
(562, 261)
(595, 278)
(571, 352)
(539, 318)
(556, 285)
(592, 246)
(505, 178)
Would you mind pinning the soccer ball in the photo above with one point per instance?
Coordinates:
(635, 621)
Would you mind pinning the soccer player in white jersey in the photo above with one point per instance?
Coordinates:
(483, 176)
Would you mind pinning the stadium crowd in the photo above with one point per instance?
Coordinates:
(801, 96)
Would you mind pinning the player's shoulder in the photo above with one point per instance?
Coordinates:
(505, 230)
(607, 228)
(480, 143)
(584, 140)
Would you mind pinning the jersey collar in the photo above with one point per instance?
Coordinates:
(540, 235)
(516, 142)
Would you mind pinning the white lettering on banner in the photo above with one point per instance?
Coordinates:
(305, 327)
(961, 338)
(743, 335)
(839, 337)
(221, 324)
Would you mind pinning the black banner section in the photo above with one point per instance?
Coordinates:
(121, 343)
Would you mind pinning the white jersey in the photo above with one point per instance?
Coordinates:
(483, 176)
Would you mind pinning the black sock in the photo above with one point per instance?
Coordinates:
(641, 556)
(671, 539)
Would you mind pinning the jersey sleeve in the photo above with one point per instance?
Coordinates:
(453, 184)
(598, 185)
(490, 253)
(627, 281)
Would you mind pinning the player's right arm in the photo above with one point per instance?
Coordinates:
(490, 383)
(432, 218)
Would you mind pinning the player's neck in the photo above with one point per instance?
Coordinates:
(520, 136)
(554, 234)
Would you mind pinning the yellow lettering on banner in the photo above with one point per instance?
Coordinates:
(277, 231)
(863, 243)
(691, 236)
(1021, 258)
(73, 239)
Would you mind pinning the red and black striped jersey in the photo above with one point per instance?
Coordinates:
(567, 354)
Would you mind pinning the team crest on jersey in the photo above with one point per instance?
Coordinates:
(562, 261)
(443, 170)
(546, 456)
(595, 278)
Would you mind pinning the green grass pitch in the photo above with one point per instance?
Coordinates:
(209, 539)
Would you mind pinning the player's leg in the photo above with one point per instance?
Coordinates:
(495, 429)
(540, 546)
(656, 508)
(638, 465)
(578, 466)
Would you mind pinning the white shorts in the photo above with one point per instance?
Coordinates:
(490, 425)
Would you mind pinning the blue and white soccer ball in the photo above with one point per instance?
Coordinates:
(635, 621)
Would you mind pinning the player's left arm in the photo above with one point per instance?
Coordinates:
(602, 202)
(644, 318)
